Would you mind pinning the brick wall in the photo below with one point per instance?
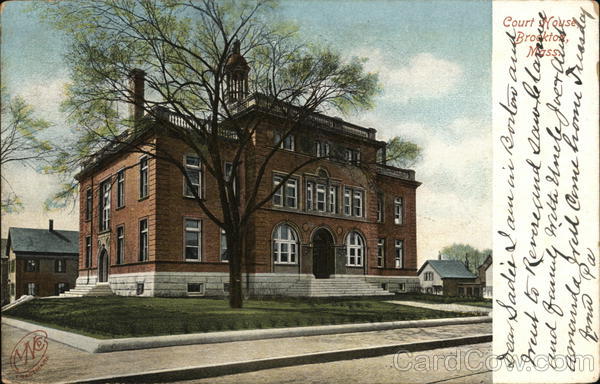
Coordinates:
(166, 208)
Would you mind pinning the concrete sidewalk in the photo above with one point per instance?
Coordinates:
(67, 364)
(93, 345)
(445, 307)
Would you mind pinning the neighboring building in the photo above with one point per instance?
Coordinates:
(449, 278)
(485, 277)
(4, 285)
(143, 232)
(42, 262)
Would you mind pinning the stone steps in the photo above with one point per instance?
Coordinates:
(89, 290)
(337, 287)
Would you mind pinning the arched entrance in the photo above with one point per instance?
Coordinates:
(103, 266)
(323, 256)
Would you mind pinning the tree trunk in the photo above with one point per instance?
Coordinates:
(235, 271)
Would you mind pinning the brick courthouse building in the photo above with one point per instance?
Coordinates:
(330, 230)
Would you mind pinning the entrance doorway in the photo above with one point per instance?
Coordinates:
(323, 254)
(103, 266)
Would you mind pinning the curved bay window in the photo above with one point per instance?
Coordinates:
(285, 245)
(355, 249)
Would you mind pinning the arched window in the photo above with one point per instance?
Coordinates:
(355, 249)
(285, 245)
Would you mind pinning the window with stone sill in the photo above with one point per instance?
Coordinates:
(143, 177)
(355, 249)
(285, 245)
(399, 254)
(105, 189)
(380, 253)
(224, 251)
(321, 195)
(354, 202)
(193, 169)
(192, 238)
(143, 237)
(288, 143)
(398, 210)
(285, 195)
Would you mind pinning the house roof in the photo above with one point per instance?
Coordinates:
(30, 240)
(449, 269)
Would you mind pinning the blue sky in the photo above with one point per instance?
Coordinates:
(434, 61)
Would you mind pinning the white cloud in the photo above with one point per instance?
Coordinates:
(45, 96)
(423, 76)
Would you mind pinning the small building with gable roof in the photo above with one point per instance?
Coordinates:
(41, 262)
(448, 278)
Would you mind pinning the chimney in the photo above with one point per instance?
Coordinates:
(467, 261)
(439, 255)
(136, 87)
(51, 225)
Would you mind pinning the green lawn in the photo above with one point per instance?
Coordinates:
(438, 299)
(115, 317)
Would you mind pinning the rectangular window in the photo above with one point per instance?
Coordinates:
(105, 205)
(358, 203)
(192, 239)
(193, 169)
(60, 266)
(224, 253)
(120, 244)
(143, 177)
(398, 210)
(121, 188)
(31, 289)
(309, 196)
(195, 289)
(291, 193)
(287, 195)
(278, 196)
(88, 204)
(228, 173)
(320, 197)
(380, 253)
(356, 157)
(380, 203)
(139, 289)
(288, 143)
(61, 287)
(333, 197)
(318, 148)
(325, 152)
(144, 240)
(88, 251)
(399, 259)
(347, 201)
(32, 266)
(348, 155)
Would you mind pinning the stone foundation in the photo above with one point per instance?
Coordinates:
(215, 284)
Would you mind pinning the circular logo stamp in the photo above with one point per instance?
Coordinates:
(29, 354)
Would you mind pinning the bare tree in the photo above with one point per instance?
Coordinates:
(20, 142)
(191, 55)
